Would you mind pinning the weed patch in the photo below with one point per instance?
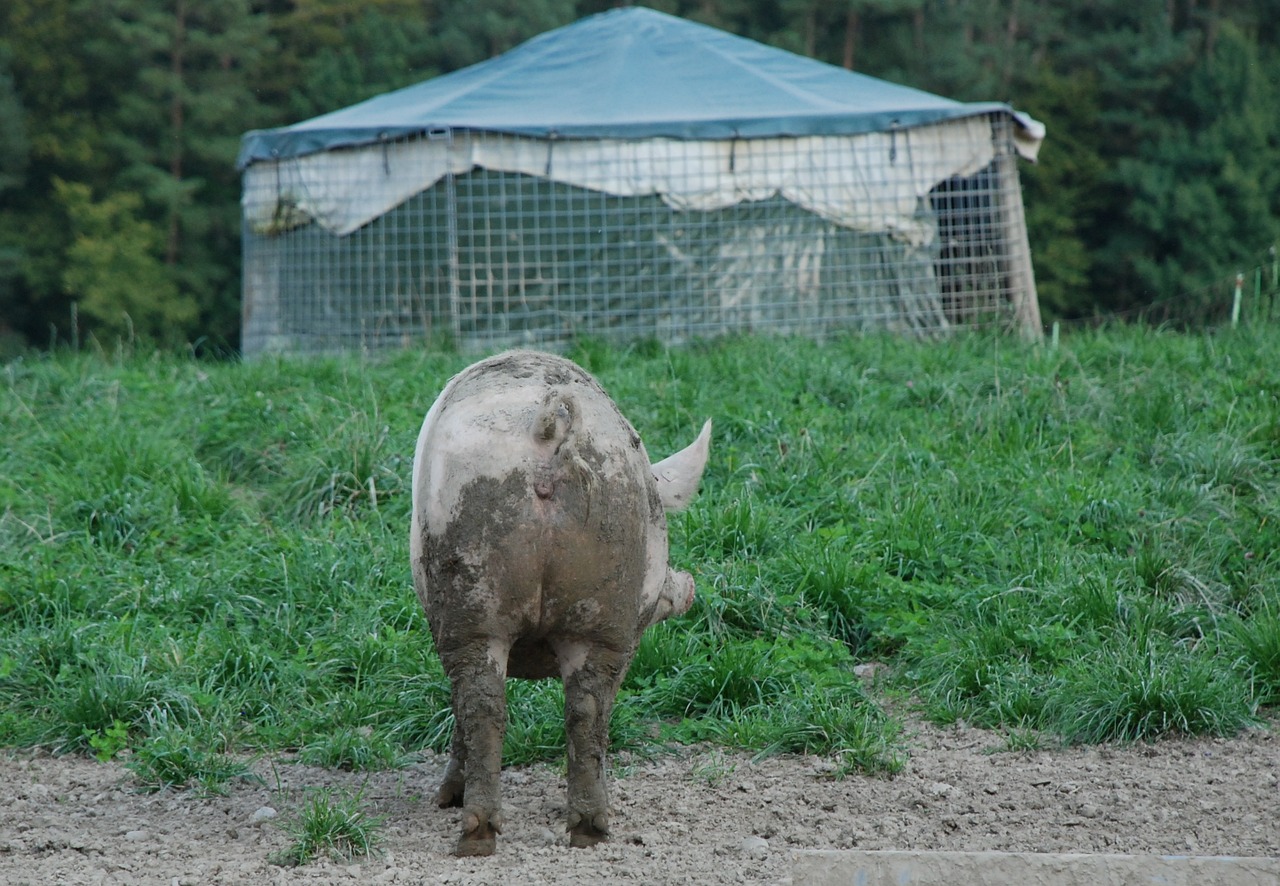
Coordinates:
(333, 823)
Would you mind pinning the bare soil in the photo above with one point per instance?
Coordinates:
(698, 815)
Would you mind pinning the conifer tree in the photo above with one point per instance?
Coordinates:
(1204, 193)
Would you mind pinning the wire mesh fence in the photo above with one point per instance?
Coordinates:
(911, 231)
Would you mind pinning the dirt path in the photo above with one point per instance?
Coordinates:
(702, 815)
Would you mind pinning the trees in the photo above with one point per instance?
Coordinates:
(114, 267)
(129, 104)
(1158, 175)
(1203, 194)
(120, 121)
(15, 152)
(1065, 196)
(333, 53)
(187, 74)
(51, 105)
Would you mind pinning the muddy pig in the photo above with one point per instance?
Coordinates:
(539, 546)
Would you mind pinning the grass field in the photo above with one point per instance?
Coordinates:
(199, 560)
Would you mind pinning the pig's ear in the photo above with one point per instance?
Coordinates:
(678, 475)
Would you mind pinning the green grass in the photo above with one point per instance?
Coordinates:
(199, 560)
(333, 823)
(176, 756)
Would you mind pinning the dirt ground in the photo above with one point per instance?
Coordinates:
(699, 815)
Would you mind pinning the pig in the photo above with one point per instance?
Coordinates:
(539, 550)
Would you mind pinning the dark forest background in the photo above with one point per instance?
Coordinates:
(120, 121)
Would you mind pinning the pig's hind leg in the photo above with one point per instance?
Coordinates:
(453, 786)
(589, 693)
(480, 715)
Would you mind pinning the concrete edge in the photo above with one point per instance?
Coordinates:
(852, 867)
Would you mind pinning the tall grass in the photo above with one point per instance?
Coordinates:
(1079, 542)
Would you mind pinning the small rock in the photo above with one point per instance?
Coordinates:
(940, 789)
(261, 814)
(135, 836)
(870, 670)
(546, 836)
(755, 847)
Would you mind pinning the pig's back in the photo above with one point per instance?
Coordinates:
(526, 470)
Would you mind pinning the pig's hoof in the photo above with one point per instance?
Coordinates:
(449, 796)
(479, 834)
(585, 832)
(481, 841)
(584, 840)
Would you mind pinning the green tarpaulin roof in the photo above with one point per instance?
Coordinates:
(627, 73)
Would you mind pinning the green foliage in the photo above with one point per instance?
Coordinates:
(332, 823)
(141, 106)
(1071, 172)
(712, 769)
(356, 750)
(365, 53)
(15, 148)
(114, 270)
(89, 697)
(1022, 740)
(1256, 640)
(108, 742)
(839, 723)
(1200, 193)
(1134, 690)
(203, 560)
(1155, 179)
(175, 756)
(470, 32)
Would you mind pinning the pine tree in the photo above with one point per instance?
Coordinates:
(1063, 194)
(114, 269)
(15, 147)
(1204, 196)
(471, 31)
(15, 153)
(57, 100)
(174, 130)
(377, 54)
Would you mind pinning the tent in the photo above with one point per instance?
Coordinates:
(551, 192)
